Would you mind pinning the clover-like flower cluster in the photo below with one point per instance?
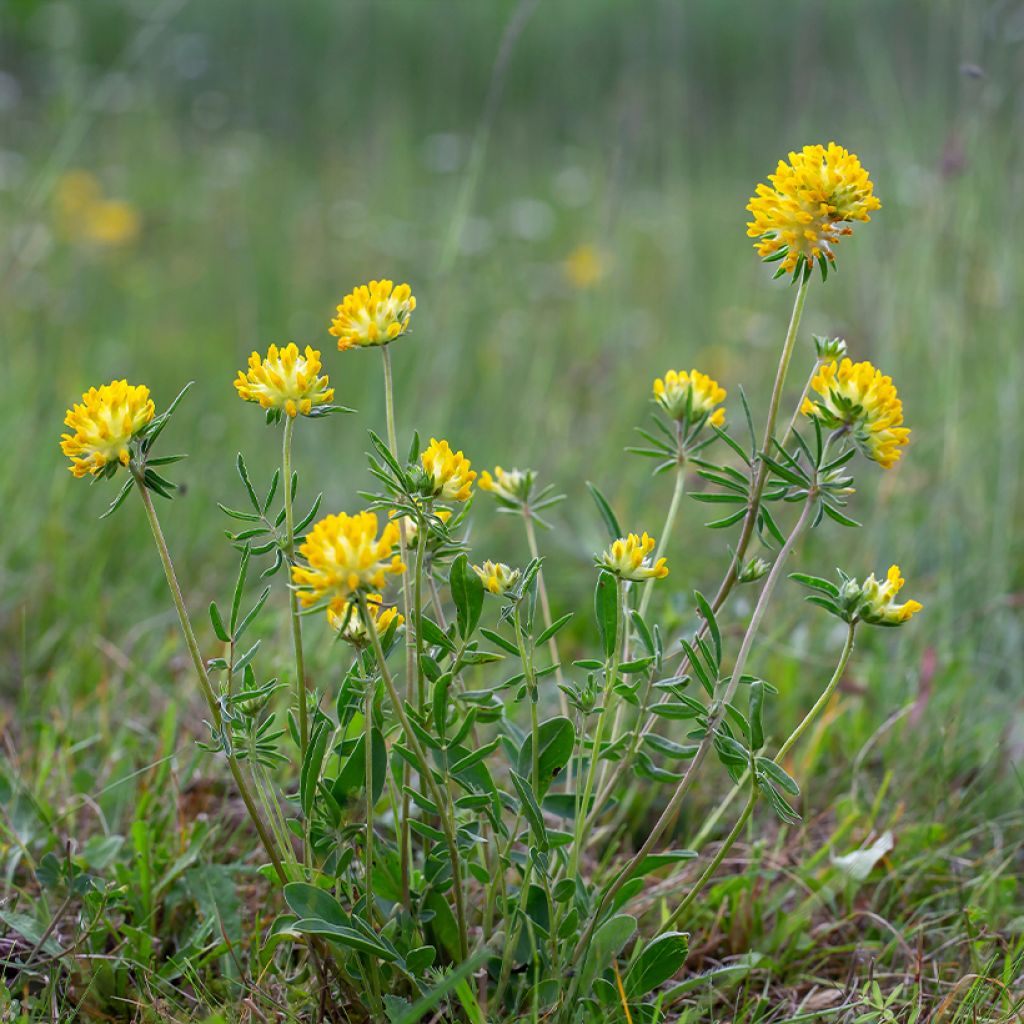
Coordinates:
(373, 314)
(810, 205)
(628, 559)
(861, 399)
(344, 555)
(448, 473)
(286, 380)
(104, 425)
(690, 396)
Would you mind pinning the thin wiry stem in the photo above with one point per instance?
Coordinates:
(713, 721)
(744, 817)
(204, 679)
(293, 600)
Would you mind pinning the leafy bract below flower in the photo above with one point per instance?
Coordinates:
(285, 380)
(690, 396)
(497, 577)
(343, 555)
(809, 206)
(628, 559)
(412, 528)
(447, 471)
(512, 485)
(861, 399)
(345, 617)
(104, 424)
(373, 314)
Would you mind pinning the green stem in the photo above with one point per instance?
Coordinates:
(545, 607)
(293, 600)
(715, 717)
(666, 530)
(204, 679)
(741, 822)
(421, 546)
(583, 818)
(447, 822)
(761, 470)
(405, 836)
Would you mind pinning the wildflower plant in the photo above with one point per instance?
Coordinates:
(438, 796)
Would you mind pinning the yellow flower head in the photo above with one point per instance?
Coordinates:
(103, 425)
(863, 400)
(877, 603)
(511, 484)
(690, 396)
(343, 555)
(628, 559)
(285, 380)
(373, 314)
(810, 205)
(345, 617)
(448, 471)
(497, 577)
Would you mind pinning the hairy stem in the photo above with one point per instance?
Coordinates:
(545, 607)
(293, 600)
(204, 679)
(713, 721)
(583, 817)
(447, 816)
(744, 817)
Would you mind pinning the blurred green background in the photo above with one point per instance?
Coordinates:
(563, 184)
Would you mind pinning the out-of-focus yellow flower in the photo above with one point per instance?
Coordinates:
(285, 380)
(860, 398)
(810, 205)
(343, 555)
(628, 559)
(113, 222)
(373, 314)
(511, 484)
(448, 471)
(86, 215)
(690, 395)
(412, 528)
(497, 577)
(104, 424)
(344, 616)
(874, 601)
(584, 267)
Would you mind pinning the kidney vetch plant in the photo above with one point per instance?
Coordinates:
(435, 806)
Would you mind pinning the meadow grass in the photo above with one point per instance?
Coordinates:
(272, 163)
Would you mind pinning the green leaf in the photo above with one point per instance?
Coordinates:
(307, 900)
(756, 714)
(553, 628)
(119, 500)
(606, 944)
(607, 515)
(709, 617)
(344, 936)
(656, 964)
(218, 624)
(778, 775)
(606, 611)
(557, 740)
(531, 809)
(468, 594)
(311, 765)
(352, 776)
